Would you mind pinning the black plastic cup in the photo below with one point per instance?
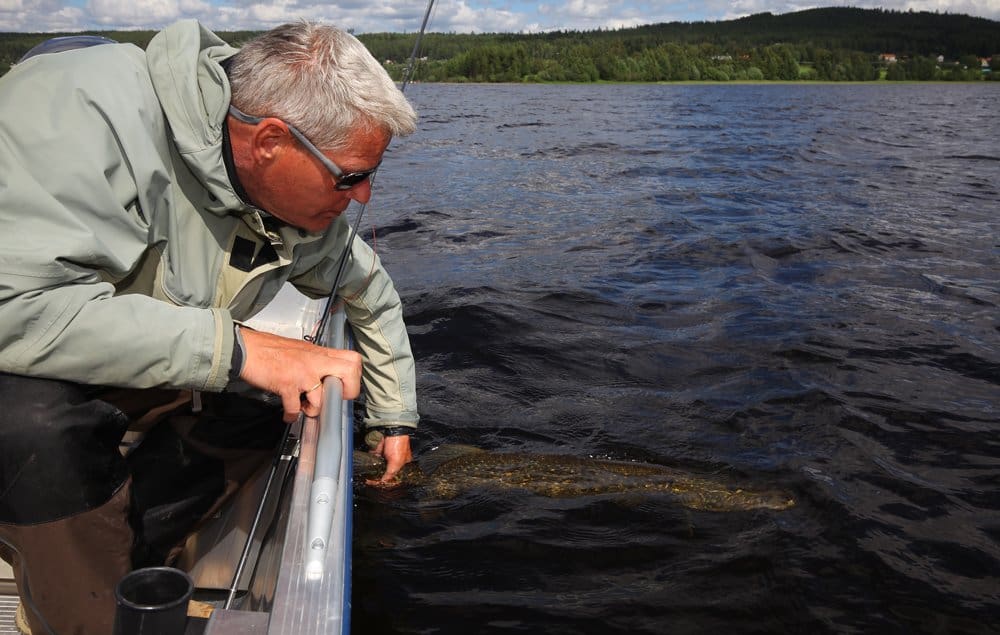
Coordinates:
(153, 601)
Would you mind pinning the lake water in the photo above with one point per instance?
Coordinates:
(786, 286)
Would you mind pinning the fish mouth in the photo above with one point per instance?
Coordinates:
(779, 504)
(777, 501)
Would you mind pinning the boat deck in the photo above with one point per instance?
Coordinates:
(8, 604)
(273, 595)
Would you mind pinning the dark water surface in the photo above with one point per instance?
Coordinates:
(782, 286)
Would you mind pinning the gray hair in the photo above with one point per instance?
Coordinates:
(320, 79)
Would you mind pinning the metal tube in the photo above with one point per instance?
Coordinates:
(324, 493)
(327, 488)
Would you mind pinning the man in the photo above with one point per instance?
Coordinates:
(151, 201)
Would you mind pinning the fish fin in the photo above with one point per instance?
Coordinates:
(436, 457)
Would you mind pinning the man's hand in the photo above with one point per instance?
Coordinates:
(295, 369)
(397, 453)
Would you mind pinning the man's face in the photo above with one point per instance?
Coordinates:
(297, 188)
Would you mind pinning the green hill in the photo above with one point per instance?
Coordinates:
(824, 44)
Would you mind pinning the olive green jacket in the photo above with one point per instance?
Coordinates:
(125, 253)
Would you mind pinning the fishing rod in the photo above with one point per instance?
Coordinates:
(416, 47)
(323, 523)
(342, 263)
(329, 450)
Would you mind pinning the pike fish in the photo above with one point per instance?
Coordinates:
(452, 469)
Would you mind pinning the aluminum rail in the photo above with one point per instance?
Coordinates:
(312, 593)
(331, 469)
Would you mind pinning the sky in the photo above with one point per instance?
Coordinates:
(448, 16)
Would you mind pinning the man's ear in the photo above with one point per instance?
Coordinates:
(269, 139)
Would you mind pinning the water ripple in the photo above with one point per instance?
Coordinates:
(790, 286)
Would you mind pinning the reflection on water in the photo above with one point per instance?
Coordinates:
(790, 286)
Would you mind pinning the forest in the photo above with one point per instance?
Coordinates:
(832, 44)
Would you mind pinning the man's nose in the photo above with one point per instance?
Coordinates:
(362, 192)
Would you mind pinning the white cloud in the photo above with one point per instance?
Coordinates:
(272, 13)
(194, 7)
(611, 14)
(591, 10)
(458, 16)
(39, 15)
(984, 8)
(137, 13)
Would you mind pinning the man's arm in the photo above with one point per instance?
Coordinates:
(375, 313)
(76, 137)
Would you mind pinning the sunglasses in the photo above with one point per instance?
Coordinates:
(343, 181)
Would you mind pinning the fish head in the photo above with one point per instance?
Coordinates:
(767, 499)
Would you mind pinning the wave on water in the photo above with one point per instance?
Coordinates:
(792, 287)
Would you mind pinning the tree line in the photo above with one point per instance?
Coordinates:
(833, 44)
